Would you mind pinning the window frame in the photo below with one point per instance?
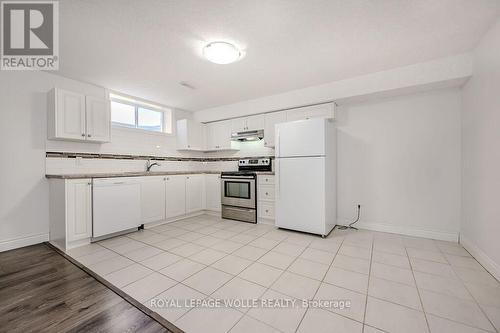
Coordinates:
(165, 114)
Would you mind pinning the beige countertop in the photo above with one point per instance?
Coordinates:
(138, 174)
(128, 174)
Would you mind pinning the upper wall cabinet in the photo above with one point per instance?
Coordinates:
(98, 119)
(247, 123)
(191, 135)
(307, 112)
(272, 119)
(219, 135)
(74, 116)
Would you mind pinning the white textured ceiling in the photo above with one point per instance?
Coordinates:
(146, 47)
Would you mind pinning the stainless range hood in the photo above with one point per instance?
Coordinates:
(254, 135)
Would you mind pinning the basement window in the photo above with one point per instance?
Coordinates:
(132, 113)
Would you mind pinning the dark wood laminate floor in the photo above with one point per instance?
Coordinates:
(41, 291)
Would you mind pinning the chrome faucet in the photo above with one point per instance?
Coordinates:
(149, 165)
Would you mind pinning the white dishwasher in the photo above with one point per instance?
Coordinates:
(116, 204)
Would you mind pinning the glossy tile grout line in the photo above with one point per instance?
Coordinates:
(472, 295)
(418, 292)
(322, 280)
(368, 287)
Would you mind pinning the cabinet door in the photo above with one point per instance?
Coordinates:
(256, 122)
(98, 119)
(191, 135)
(239, 124)
(319, 111)
(78, 209)
(175, 196)
(308, 112)
(194, 193)
(213, 192)
(295, 114)
(224, 134)
(219, 136)
(272, 119)
(69, 115)
(152, 199)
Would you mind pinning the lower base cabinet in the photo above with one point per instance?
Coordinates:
(195, 193)
(153, 199)
(265, 196)
(213, 192)
(76, 204)
(175, 198)
(70, 212)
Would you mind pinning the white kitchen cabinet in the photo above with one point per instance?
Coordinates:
(316, 111)
(219, 135)
(191, 135)
(153, 200)
(98, 119)
(70, 212)
(256, 122)
(175, 196)
(249, 123)
(266, 198)
(74, 116)
(238, 124)
(66, 115)
(79, 209)
(195, 192)
(270, 120)
(213, 192)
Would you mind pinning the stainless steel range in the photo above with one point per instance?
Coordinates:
(239, 190)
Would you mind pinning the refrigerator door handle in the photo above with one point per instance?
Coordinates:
(277, 180)
(277, 143)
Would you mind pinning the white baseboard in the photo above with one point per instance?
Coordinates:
(408, 231)
(481, 257)
(15, 243)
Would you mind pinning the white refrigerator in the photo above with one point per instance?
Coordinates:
(306, 168)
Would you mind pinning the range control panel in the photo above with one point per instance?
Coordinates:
(255, 161)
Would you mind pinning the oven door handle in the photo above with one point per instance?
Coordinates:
(237, 178)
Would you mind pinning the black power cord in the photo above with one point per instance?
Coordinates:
(350, 226)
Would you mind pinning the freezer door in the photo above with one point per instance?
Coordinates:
(300, 138)
(300, 194)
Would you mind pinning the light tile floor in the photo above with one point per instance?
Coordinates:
(393, 283)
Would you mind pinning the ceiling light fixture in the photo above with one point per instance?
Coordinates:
(221, 52)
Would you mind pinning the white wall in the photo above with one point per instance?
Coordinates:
(23, 188)
(451, 71)
(400, 159)
(481, 155)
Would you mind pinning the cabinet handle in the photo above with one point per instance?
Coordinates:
(187, 177)
(267, 193)
(164, 178)
(267, 210)
(168, 178)
(267, 179)
(83, 134)
(89, 183)
(89, 135)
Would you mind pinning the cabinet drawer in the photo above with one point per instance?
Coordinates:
(266, 179)
(266, 210)
(265, 192)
